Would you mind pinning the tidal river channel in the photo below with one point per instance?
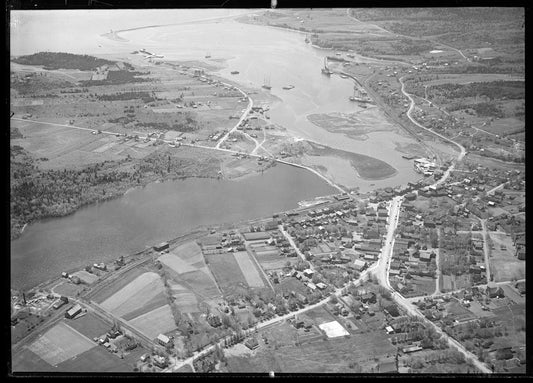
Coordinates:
(162, 211)
(149, 215)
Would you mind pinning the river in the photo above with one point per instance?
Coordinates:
(149, 215)
(161, 211)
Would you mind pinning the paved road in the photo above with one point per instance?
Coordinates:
(243, 116)
(383, 278)
(462, 150)
(406, 36)
(291, 241)
(486, 249)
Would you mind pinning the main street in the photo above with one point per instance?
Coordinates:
(382, 274)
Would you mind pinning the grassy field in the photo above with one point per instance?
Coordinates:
(155, 322)
(137, 293)
(176, 263)
(97, 359)
(368, 168)
(201, 283)
(185, 300)
(270, 260)
(422, 286)
(504, 265)
(125, 279)
(158, 301)
(250, 272)
(226, 271)
(290, 284)
(60, 343)
(68, 289)
(27, 361)
(189, 252)
(86, 277)
(319, 356)
(90, 325)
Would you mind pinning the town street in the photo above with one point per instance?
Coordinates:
(383, 278)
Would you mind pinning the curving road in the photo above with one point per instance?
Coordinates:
(462, 150)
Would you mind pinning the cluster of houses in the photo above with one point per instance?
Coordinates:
(224, 243)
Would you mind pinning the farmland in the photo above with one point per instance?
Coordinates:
(60, 343)
(227, 272)
(155, 322)
(504, 264)
(139, 292)
(253, 278)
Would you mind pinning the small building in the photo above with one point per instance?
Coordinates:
(163, 340)
(252, 343)
(521, 287)
(159, 361)
(321, 286)
(359, 265)
(389, 330)
(410, 349)
(72, 312)
(161, 247)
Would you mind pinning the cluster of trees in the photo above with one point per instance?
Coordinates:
(60, 60)
(494, 90)
(122, 96)
(116, 77)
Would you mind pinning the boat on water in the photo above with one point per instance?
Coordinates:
(266, 83)
(208, 55)
(326, 70)
(235, 72)
(343, 76)
(288, 87)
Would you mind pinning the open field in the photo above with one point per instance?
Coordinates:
(155, 322)
(291, 284)
(90, 325)
(26, 360)
(60, 343)
(334, 355)
(368, 168)
(270, 260)
(201, 283)
(137, 293)
(422, 286)
(68, 288)
(86, 277)
(504, 265)
(248, 269)
(189, 252)
(96, 360)
(158, 301)
(226, 271)
(125, 279)
(176, 263)
(66, 147)
(185, 300)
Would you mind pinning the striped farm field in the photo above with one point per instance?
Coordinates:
(155, 322)
(101, 295)
(189, 252)
(137, 293)
(201, 283)
(184, 299)
(226, 271)
(176, 263)
(248, 269)
(60, 343)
